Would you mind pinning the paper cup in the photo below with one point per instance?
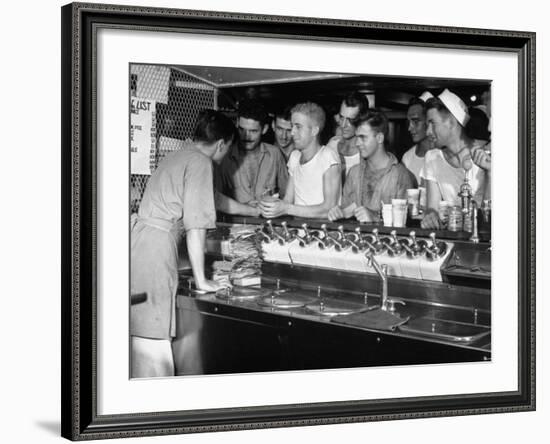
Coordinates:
(399, 212)
(387, 215)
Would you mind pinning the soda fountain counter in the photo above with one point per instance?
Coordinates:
(340, 296)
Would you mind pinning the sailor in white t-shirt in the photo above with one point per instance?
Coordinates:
(413, 159)
(314, 170)
(459, 157)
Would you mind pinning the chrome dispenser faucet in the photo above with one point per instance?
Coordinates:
(357, 245)
(267, 237)
(306, 240)
(286, 233)
(340, 243)
(436, 249)
(415, 247)
(274, 234)
(393, 235)
(382, 271)
(362, 242)
(325, 241)
(394, 246)
(376, 237)
(264, 235)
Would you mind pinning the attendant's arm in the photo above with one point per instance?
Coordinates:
(195, 247)
(331, 193)
(230, 206)
(196, 238)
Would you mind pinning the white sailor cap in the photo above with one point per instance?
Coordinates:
(456, 106)
(425, 96)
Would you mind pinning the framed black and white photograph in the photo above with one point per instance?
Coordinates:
(278, 221)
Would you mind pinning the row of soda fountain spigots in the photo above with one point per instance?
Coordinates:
(370, 244)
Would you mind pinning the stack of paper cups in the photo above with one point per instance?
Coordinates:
(387, 215)
(399, 212)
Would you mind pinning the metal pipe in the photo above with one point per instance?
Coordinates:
(382, 271)
(475, 237)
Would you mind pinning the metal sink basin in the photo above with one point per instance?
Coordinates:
(329, 307)
(445, 330)
(285, 300)
(242, 293)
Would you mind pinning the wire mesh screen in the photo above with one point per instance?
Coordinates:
(169, 102)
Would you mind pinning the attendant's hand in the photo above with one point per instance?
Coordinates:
(211, 286)
(335, 214)
(273, 208)
(362, 214)
(482, 159)
(431, 221)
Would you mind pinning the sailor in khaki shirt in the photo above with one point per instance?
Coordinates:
(252, 169)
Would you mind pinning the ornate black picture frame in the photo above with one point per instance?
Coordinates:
(80, 22)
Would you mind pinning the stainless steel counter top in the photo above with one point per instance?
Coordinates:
(427, 321)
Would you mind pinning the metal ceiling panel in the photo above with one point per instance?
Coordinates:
(226, 77)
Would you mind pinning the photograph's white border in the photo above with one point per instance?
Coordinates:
(117, 394)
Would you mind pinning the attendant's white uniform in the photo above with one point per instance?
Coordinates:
(308, 178)
(179, 197)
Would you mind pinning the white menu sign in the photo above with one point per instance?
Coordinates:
(143, 135)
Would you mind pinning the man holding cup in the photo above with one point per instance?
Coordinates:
(314, 170)
(378, 178)
(252, 169)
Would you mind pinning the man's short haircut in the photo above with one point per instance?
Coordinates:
(212, 126)
(435, 103)
(313, 111)
(283, 114)
(254, 110)
(417, 101)
(377, 120)
(356, 99)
